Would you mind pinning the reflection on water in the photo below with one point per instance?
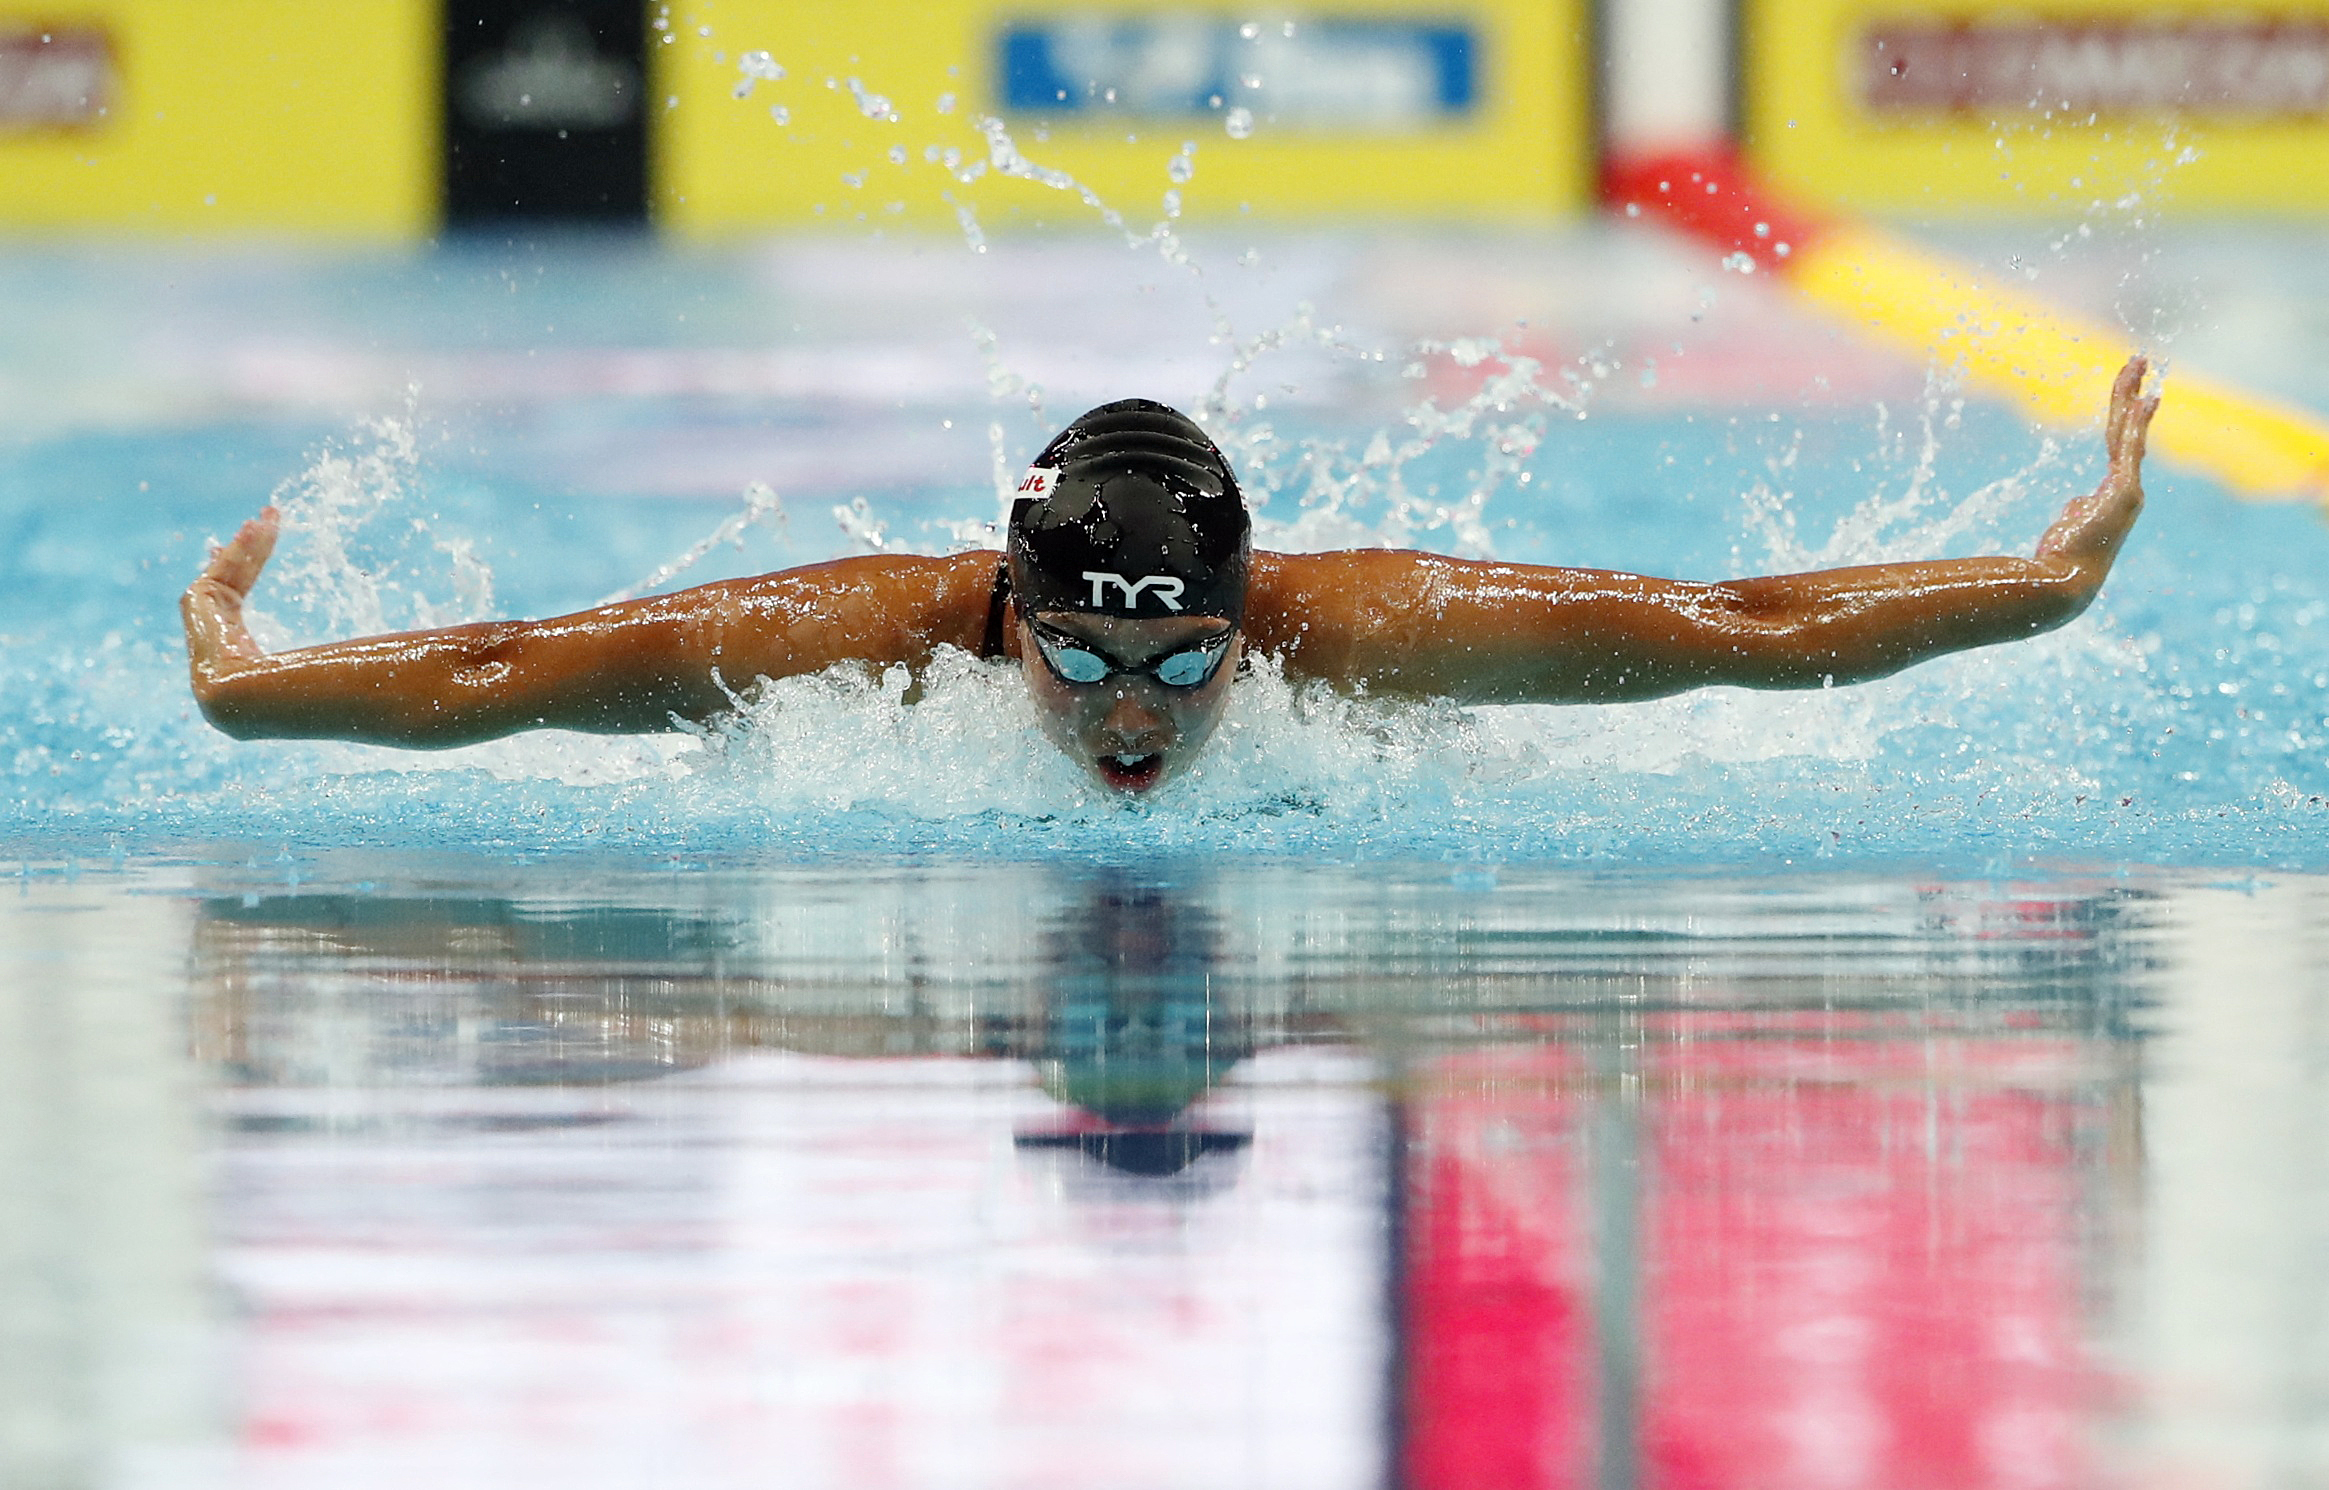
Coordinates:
(1123, 1029)
(1050, 1176)
(107, 1355)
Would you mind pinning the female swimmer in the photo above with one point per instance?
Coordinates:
(1127, 595)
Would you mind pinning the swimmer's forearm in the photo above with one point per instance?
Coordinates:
(1479, 633)
(637, 667)
(1855, 625)
(458, 686)
(1653, 639)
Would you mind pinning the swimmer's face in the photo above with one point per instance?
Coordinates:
(1131, 729)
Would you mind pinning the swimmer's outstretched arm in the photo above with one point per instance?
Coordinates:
(1420, 625)
(618, 669)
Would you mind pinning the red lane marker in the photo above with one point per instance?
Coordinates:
(1712, 196)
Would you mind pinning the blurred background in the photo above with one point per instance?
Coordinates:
(394, 120)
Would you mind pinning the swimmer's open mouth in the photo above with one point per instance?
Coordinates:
(1131, 773)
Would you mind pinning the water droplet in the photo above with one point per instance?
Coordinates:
(757, 67)
(872, 105)
(1172, 204)
(945, 103)
(1251, 30)
(781, 114)
(1184, 165)
(897, 155)
(1238, 122)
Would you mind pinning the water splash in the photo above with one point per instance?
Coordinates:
(858, 524)
(1909, 513)
(1367, 499)
(355, 558)
(1004, 156)
(756, 67)
(972, 235)
(761, 506)
(872, 105)
(1281, 749)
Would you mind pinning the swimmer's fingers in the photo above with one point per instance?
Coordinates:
(2128, 428)
(2091, 528)
(236, 563)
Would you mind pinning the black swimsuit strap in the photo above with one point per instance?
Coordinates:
(992, 646)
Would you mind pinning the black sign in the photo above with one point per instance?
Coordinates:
(545, 111)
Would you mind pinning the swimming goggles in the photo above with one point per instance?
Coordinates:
(1079, 662)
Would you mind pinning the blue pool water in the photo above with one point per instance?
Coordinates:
(564, 420)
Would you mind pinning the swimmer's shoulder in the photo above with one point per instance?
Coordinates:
(1291, 594)
(893, 599)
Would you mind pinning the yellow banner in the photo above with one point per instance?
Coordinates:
(991, 116)
(2041, 107)
(192, 115)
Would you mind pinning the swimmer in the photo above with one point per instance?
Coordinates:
(1128, 594)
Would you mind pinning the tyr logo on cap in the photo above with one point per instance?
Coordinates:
(1038, 482)
(1168, 589)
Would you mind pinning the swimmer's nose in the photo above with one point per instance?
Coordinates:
(1132, 728)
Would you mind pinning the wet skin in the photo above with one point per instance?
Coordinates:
(1129, 730)
(1383, 621)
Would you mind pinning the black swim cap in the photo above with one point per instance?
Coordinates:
(1131, 511)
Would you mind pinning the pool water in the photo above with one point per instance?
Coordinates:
(528, 430)
(1900, 1086)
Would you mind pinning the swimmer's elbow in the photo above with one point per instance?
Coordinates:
(230, 721)
(226, 708)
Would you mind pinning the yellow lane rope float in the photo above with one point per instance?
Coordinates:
(2057, 366)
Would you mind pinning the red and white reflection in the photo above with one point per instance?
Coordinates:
(1860, 1261)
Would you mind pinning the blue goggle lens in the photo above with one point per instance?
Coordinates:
(1186, 669)
(1077, 665)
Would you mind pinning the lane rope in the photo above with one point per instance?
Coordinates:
(2055, 365)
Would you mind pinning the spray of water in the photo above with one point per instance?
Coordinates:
(358, 555)
(761, 506)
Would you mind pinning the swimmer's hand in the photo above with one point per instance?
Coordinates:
(218, 643)
(2086, 538)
